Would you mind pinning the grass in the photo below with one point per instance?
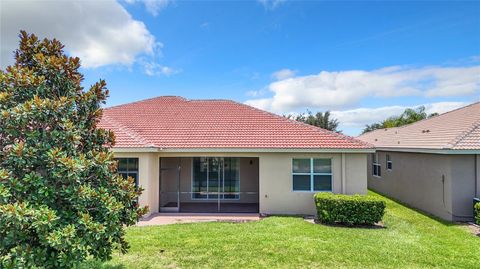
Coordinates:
(410, 240)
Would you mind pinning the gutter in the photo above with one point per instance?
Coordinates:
(249, 150)
(136, 150)
(432, 151)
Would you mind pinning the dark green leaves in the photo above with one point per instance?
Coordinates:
(349, 209)
(61, 199)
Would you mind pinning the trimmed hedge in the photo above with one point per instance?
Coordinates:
(477, 213)
(349, 209)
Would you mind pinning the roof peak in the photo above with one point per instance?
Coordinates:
(170, 98)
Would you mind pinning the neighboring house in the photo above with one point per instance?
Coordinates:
(219, 155)
(433, 164)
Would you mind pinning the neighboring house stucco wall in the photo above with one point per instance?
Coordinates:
(477, 175)
(439, 184)
(463, 185)
(276, 195)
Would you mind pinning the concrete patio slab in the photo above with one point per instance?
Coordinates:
(174, 218)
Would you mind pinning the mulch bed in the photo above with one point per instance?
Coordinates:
(473, 228)
(379, 225)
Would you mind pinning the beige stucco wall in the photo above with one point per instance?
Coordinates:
(356, 173)
(439, 184)
(276, 195)
(276, 185)
(148, 174)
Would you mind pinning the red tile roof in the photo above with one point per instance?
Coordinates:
(455, 130)
(170, 122)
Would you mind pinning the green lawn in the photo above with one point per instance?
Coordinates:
(411, 240)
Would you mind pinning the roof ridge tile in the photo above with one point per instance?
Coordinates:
(128, 132)
(463, 135)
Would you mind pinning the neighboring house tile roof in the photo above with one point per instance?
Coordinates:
(174, 122)
(455, 130)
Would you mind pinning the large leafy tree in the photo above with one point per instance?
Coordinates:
(410, 115)
(320, 119)
(61, 199)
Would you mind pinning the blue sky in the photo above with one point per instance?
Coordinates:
(364, 60)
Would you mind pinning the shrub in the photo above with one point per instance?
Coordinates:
(61, 198)
(349, 209)
(477, 213)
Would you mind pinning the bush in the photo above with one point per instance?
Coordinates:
(349, 209)
(61, 198)
(477, 213)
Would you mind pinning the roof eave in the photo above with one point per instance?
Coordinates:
(135, 149)
(431, 150)
(259, 150)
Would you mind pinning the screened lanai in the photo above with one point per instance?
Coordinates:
(209, 184)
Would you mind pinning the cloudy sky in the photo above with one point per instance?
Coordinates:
(364, 61)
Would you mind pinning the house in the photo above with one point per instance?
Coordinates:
(223, 156)
(432, 165)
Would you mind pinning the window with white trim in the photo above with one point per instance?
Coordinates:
(311, 174)
(376, 167)
(389, 162)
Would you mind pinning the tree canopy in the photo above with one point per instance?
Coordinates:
(410, 115)
(319, 119)
(61, 198)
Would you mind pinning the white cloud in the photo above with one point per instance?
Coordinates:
(283, 74)
(262, 103)
(361, 116)
(155, 69)
(99, 32)
(153, 6)
(255, 93)
(337, 90)
(271, 4)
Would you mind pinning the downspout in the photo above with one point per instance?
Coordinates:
(477, 176)
(343, 173)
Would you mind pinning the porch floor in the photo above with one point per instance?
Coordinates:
(175, 218)
(213, 207)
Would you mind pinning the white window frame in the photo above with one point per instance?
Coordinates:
(375, 162)
(389, 162)
(312, 175)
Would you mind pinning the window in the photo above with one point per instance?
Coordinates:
(376, 167)
(128, 167)
(312, 174)
(389, 163)
(212, 176)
